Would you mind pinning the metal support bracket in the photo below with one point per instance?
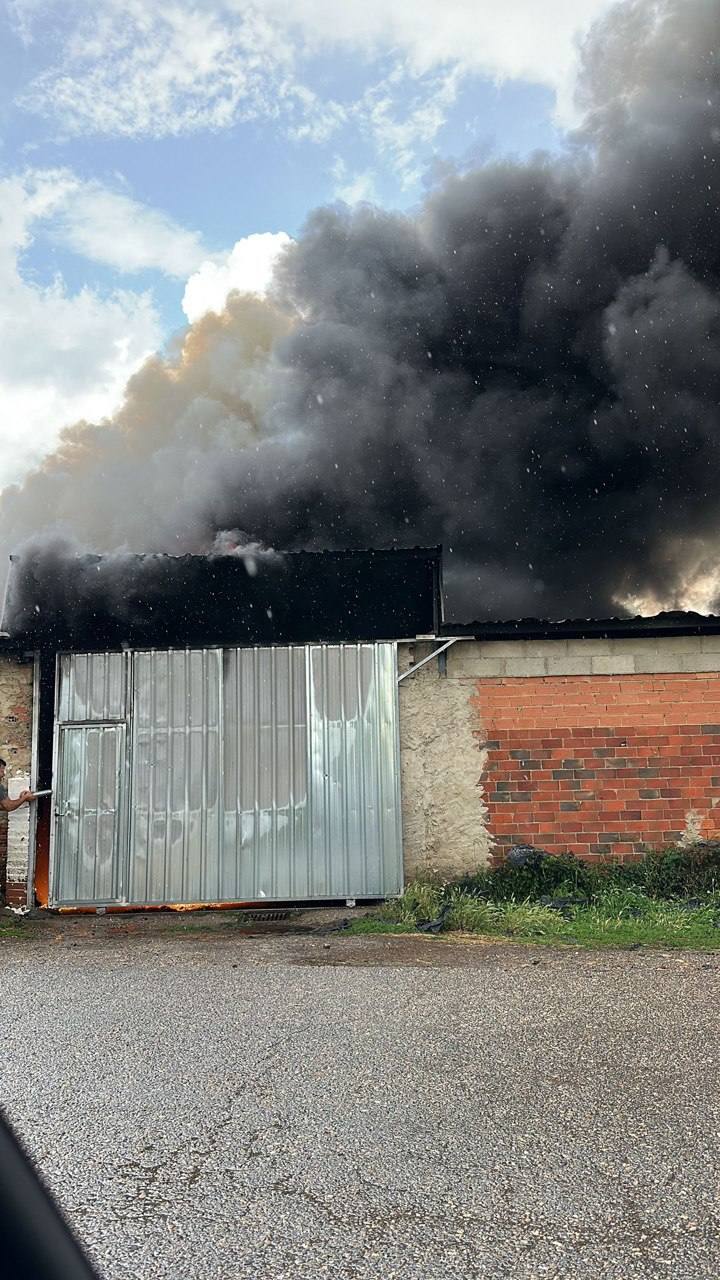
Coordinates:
(435, 653)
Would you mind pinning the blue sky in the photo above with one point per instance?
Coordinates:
(140, 142)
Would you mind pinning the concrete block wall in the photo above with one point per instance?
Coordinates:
(598, 747)
(16, 683)
(445, 823)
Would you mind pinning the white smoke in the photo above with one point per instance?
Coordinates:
(247, 269)
(254, 554)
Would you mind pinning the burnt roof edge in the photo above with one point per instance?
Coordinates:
(433, 553)
(661, 624)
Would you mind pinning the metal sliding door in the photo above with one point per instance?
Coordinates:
(88, 817)
(237, 775)
(88, 864)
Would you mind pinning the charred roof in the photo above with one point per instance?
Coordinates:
(672, 623)
(160, 601)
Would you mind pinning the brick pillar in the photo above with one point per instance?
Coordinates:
(18, 844)
(3, 854)
(16, 685)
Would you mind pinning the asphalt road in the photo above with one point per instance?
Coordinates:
(210, 1106)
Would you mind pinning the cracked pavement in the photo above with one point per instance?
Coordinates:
(218, 1105)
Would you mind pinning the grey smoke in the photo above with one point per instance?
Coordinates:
(527, 370)
(253, 554)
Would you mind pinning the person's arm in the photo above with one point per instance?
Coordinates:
(11, 805)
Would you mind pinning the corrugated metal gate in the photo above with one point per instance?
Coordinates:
(226, 775)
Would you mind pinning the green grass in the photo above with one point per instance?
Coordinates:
(666, 899)
(10, 928)
(652, 924)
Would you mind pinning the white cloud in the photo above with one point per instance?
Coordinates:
(318, 120)
(400, 136)
(514, 40)
(353, 187)
(63, 356)
(358, 188)
(107, 226)
(135, 68)
(247, 268)
(139, 67)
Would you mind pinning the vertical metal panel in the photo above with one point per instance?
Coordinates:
(34, 784)
(355, 832)
(90, 765)
(92, 686)
(265, 776)
(311, 773)
(175, 841)
(254, 774)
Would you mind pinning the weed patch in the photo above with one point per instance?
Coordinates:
(667, 899)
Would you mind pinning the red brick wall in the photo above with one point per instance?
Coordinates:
(15, 894)
(600, 764)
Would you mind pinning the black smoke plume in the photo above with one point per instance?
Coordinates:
(527, 370)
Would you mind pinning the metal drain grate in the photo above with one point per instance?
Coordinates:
(264, 915)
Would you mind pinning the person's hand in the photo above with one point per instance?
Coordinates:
(27, 796)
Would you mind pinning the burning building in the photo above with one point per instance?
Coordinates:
(524, 368)
(307, 728)
(215, 729)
